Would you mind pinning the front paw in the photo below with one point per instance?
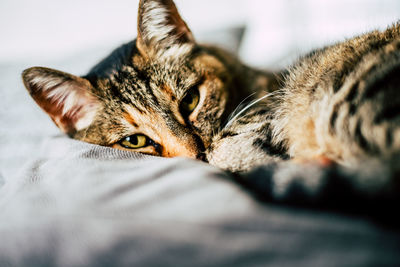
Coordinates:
(238, 152)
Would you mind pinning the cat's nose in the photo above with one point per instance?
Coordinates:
(201, 156)
(187, 145)
(192, 153)
(200, 147)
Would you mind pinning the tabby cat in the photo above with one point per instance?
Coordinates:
(164, 94)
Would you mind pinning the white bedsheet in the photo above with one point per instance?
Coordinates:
(77, 204)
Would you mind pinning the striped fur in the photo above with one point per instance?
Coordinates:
(341, 102)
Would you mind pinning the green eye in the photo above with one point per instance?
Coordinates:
(190, 101)
(134, 141)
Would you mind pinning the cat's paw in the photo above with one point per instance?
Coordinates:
(238, 152)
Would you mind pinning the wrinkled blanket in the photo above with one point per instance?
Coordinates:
(77, 204)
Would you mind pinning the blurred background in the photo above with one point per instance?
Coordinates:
(44, 30)
(73, 35)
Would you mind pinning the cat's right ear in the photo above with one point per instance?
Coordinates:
(66, 98)
(161, 30)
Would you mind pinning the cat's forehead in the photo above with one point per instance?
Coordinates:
(151, 87)
(127, 77)
(178, 75)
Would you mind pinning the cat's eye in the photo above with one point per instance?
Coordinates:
(190, 101)
(134, 141)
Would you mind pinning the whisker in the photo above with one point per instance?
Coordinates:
(239, 106)
(246, 108)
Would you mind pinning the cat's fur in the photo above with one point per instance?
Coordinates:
(338, 104)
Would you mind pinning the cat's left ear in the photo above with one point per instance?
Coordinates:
(161, 30)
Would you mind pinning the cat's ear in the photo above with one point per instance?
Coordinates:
(65, 97)
(161, 30)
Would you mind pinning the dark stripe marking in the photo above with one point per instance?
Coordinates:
(359, 137)
(388, 113)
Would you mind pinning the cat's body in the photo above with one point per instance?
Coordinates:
(341, 102)
(166, 95)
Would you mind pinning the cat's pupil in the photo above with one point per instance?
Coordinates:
(133, 140)
(190, 101)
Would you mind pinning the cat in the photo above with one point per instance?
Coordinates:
(164, 94)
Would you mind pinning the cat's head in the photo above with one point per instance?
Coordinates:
(162, 94)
